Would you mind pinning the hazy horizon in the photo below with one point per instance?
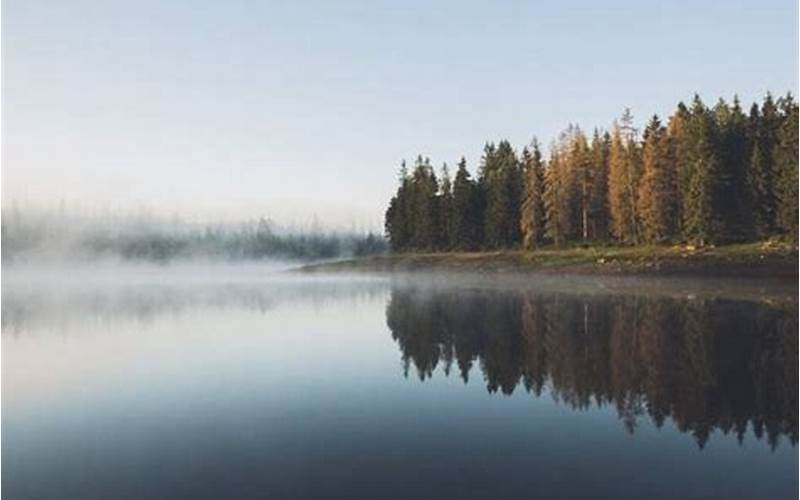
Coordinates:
(248, 109)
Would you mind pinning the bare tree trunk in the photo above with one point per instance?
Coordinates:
(584, 214)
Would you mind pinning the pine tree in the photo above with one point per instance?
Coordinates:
(502, 187)
(764, 125)
(623, 180)
(445, 210)
(514, 184)
(487, 180)
(466, 210)
(699, 217)
(680, 169)
(785, 156)
(391, 225)
(580, 161)
(555, 194)
(598, 198)
(532, 216)
(397, 219)
(655, 189)
(424, 188)
(729, 193)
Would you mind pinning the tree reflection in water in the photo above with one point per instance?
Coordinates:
(707, 364)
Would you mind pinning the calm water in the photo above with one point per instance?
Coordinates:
(258, 385)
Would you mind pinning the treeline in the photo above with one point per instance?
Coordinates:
(46, 236)
(705, 176)
(246, 243)
(706, 364)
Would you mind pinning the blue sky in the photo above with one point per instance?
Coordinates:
(240, 108)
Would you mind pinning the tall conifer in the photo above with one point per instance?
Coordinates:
(533, 215)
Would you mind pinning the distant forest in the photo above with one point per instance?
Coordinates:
(707, 175)
(46, 235)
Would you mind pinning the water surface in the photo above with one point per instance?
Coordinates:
(251, 384)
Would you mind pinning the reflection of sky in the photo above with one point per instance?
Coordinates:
(175, 345)
(309, 397)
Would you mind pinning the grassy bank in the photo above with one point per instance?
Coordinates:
(767, 259)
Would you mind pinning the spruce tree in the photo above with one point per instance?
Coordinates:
(487, 181)
(785, 156)
(391, 225)
(502, 187)
(555, 194)
(623, 180)
(700, 221)
(424, 188)
(445, 211)
(580, 167)
(680, 169)
(598, 198)
(533, 214)
(654, 189)
(760, 175)
(466, 210)
(733, 153)
(397, 219)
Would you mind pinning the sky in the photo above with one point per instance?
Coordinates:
(299, 110)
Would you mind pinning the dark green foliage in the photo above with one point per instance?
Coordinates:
(598, 197)
(655, 194)
(398, 219)
(532, 216)
(424, 188)
(445, 212)
(555, 196)
(700, 219)
(785, 156)
(730, 195)
(501, 183)
(764, 125)
(466, 224)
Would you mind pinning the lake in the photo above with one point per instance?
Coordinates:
(253, 383)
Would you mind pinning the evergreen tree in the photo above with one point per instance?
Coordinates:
(445, 211)
(655, 189)
(598, 198)
(533, 214)
(764, 125)
(677, 132)
(487, 174)
(555, 194)
(396, 225)
(466, 210)
(424, 188)
(623, 179)
(581, 176)
(699, 216)
(501, 181)
(729, 193)
(785, 156)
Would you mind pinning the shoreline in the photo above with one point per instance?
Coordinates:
(765, 260)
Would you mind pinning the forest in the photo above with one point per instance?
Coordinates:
(704, 176)
(32, 235)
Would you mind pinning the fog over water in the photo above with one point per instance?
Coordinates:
(36, 236)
